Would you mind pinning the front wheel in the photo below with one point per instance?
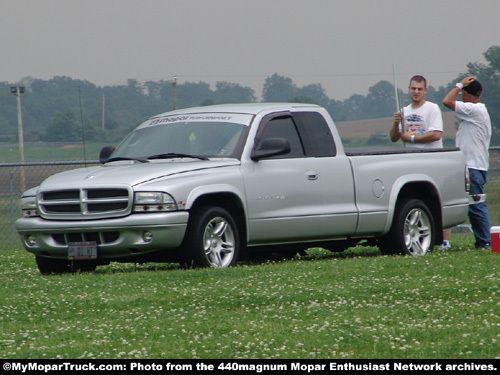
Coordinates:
(412, 231)
(212, 239)
(48, 266)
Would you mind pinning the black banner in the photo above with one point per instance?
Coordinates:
(248, 366)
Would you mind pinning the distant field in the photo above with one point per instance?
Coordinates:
(365, 128)
(38, 151)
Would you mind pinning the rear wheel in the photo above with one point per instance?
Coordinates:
(212, 238)
(412, 231)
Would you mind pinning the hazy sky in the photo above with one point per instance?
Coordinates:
(344, 45)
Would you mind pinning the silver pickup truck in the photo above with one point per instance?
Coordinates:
(210, 185)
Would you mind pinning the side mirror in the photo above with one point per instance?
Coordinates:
(105, 153)
(271, 147)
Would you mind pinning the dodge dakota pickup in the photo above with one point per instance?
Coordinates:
(207, 186)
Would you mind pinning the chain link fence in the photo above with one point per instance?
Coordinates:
(17, 177)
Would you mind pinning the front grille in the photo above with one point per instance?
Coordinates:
(85, 203)
(99, 237)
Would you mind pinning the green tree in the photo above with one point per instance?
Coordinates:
(233, 93)
(489, 76)
(336, 110)
(278, 89)
(191, 94)
(315, 92)
(302, 99)
(64, 128)
(46, 102)
(354, 107)
(380, 101)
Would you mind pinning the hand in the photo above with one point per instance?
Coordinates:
(467, 81)
(397, 118)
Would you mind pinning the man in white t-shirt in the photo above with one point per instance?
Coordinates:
(422, 125)
(473, 138)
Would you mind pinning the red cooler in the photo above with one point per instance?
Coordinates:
(495, 239)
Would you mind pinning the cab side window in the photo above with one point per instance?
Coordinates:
(316, 134)
(284, 127)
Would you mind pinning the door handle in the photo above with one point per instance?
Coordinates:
(312, 175)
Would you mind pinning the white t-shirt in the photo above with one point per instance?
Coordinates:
(474, 134)
(426, 118)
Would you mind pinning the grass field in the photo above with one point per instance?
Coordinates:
(356, 304)
(34, 152)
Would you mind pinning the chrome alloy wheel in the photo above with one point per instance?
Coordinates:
(417, 232)
(219, 242)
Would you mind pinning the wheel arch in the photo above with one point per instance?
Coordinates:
(427, 192)
(228, 200)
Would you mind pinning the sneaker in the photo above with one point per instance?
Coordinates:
(444, 246)
(485, 247)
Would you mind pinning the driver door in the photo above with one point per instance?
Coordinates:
(283, 193)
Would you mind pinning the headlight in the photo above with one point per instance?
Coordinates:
(153, 202)
(28, 206)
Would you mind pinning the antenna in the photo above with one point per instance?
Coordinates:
(396, 95)
(103, 109)
(174, 92)
(83, 131)
(399, 99)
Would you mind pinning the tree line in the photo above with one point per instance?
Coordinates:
(55, 109)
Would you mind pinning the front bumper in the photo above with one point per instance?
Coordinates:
(116, 238)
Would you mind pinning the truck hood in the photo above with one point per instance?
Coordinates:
(130, 173)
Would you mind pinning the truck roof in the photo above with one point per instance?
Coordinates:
(247, 108)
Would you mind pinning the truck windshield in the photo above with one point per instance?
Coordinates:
(185, 139)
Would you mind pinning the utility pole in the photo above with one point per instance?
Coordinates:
(103, 108)
(174, 93)
(17, 91)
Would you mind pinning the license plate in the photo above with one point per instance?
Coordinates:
(82, 250)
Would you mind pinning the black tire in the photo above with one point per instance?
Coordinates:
(48, 266)
(412, 232)
(84, 266)
(212, 239)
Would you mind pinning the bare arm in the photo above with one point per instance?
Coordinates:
(423, 138)
(395, 133)
(450, 98)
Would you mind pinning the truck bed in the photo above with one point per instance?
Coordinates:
(381, 150)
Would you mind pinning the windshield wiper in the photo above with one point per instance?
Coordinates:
(176, 155)
(119, 158)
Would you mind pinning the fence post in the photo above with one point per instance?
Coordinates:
(12, 214)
